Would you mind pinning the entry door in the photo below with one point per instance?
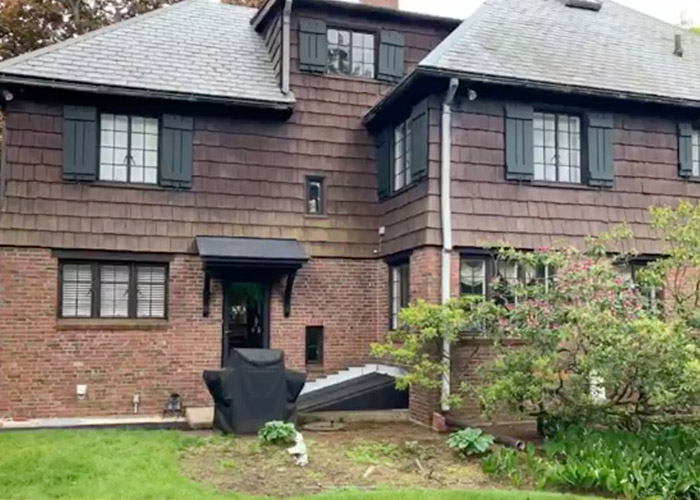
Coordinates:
(245, 322)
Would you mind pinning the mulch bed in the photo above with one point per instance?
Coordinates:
(361, 456)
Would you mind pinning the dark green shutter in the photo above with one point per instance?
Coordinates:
(419, 140)
(176, 151)
(519, 137)
(685, 149)
(313, 45)
(383, 157)
(391, 56)
(599, 131)
(79, 143)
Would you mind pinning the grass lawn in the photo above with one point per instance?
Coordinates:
(123, 465)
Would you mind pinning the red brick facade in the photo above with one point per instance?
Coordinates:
(43, 358)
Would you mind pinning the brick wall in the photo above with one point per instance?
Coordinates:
(43, 358)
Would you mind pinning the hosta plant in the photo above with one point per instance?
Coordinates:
(470, 441)
(277, 432)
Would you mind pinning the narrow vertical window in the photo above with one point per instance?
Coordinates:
(114, 291)
(398, 291)
(696, 153)
(472, 277)
(76, 290)
(150, 291)
(314, 196)
(402, 156)
(314, 345)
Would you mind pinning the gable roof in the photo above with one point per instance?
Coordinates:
(615, 49)
(194, 50)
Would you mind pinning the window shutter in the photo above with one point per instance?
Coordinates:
(519, 146)
(176, 151)
(383, 154)
(313, 45)
(685, 149)
(79, 143)
(600, 170)
(419, 141)
(391, 56)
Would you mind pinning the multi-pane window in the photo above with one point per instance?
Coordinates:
(128, 149)
(630, 273)
(314, 195)
(403, 143)
(472, 277)
(483, 276)
(696, 153)
(314, 345)
(557, 147)
(351, 53)
(113, 290)
(398, 291)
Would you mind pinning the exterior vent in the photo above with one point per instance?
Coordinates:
(594, 5)
(678, 49)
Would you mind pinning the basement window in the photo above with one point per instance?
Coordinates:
(314, 345)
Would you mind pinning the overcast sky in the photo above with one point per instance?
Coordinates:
(671, 11)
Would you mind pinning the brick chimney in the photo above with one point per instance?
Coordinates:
(386, 4)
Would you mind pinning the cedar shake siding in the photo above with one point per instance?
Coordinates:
(487, 208)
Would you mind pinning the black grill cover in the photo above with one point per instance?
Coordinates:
(254, 389)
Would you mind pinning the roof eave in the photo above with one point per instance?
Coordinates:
(560, 87)
(144, 93)
(390, 97)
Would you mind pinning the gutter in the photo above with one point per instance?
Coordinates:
(446, 219)
(286, 52)
(151, 94)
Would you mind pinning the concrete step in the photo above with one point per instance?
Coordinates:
(349, 374)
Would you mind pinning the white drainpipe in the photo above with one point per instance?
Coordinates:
(446, 216)
(286, 56)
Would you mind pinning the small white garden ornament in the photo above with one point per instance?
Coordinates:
(298, 451)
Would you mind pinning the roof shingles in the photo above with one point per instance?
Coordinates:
(197, 47)
(616, 49)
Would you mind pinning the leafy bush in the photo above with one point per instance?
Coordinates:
(277, 432)
(659, 463)
(470, 441)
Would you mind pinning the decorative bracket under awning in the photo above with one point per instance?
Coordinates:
(250, 259)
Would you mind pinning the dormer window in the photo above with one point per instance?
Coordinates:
(350, 53)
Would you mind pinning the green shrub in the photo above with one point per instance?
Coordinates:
(470, 441)
(277, 432)
(661, 463)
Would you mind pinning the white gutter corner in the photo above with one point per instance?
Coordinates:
(446, 219)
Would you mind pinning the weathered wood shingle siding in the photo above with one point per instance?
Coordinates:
(248, 175)
(272, 35)
(412, 217)
(487, 208)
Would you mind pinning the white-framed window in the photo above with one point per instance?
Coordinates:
(398, 291)
(403, 144)
(696, 152)
(485, 276)
(351, 53)
(557, 147)
(128, 149)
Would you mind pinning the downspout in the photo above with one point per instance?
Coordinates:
(286, 55)
(446, 218)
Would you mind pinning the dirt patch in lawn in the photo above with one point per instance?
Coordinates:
(361, 456)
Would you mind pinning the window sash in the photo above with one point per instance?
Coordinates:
(402, 158)
(557, 147)
(695, 140)
(315, 202)
(477, 272)
(359, 49)
(113, 290)
(314, 345)
(398, 292)
(129, 149)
